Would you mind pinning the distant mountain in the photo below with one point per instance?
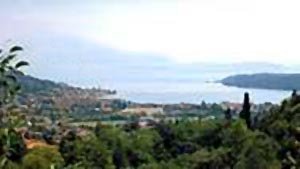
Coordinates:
(264, 81)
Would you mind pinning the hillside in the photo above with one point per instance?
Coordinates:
(32, 85)
(43, 97)
(264, 81)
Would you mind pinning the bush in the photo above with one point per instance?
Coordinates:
(42, 158)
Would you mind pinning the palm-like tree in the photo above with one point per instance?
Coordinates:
(11, 142)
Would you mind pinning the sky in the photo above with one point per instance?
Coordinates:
(184, 31)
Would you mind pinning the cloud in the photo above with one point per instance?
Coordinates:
(184, 31)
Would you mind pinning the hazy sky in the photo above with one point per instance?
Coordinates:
(183, 31)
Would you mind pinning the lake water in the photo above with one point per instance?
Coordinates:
(195, 92)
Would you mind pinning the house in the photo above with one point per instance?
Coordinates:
(142, 111)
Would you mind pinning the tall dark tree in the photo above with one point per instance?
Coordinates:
(118, 158)
(294, 93)
(295, 98)
(67, 148)
(245, 113)
(227, 114)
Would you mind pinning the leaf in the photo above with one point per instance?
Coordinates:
(8, 59)
(3, 83)
(18, 73)
(15, 48)
(2, 70)
(10, 68)
(11, 77)
(18, 88)
(21, 63)
(12, 92)
(3, 162)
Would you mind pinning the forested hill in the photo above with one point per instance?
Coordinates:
(32, 85)
(264, 81)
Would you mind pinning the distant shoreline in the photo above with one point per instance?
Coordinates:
(269, 81)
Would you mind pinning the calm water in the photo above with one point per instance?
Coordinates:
(195, 93)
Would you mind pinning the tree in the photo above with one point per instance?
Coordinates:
(295, 98)
(216, 158)
(118, 158)
(245, 113)
(67, 148)
(9, 85)
(203, 105)
(87, 152)
(42, 158)
(258, 151)
(294, 93)
(13, 145)
(227, 114)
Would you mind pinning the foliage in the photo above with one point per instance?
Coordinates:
(12, 145)
(9, 85)
(89, 151)
(245, 113)
(272, 141)
(42, 158)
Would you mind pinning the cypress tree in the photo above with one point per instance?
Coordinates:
(245, 113)
(294, 93)
(227, 114)
(295, 98)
